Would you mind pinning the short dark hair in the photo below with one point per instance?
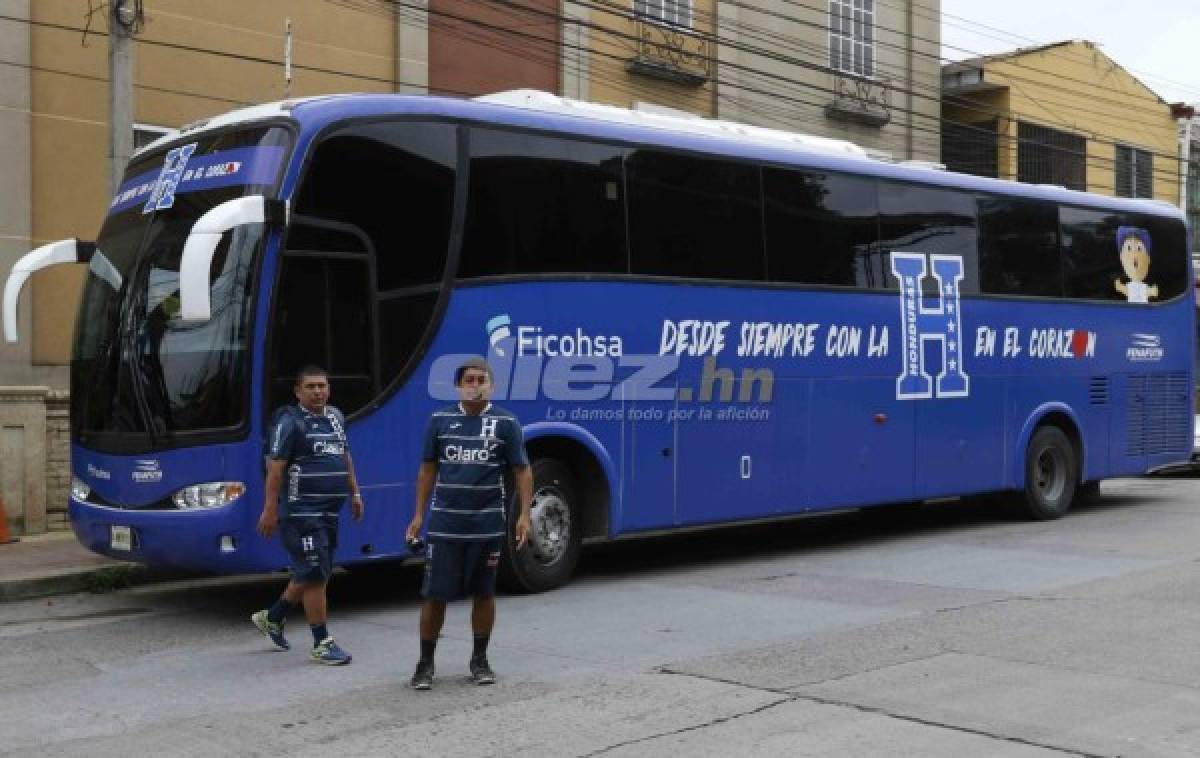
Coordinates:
(475, 362)
(310, 369)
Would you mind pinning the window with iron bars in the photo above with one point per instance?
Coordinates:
(1134, 172)
(673, 12)
(1048, 156)
(971, 148)
(852, 36)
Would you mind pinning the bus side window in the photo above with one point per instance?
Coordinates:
(1091, 264)
(929, 220)
(543, 205)
(820, 228)
(694, 218)
(1018, 247)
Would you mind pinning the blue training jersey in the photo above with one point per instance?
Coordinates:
(472, 452)
(316, 480)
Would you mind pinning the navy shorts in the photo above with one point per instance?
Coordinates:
(310, 542)
(460, 568)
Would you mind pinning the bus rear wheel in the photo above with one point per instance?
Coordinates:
(1051, 474)
(555, 536)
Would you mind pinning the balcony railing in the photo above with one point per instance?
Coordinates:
(864, 100)
(664, 51)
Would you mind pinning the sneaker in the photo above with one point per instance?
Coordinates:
(272, 630)
(481, 672)
(422, 678)
(328, 652)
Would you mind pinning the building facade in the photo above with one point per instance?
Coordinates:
(857, 70)
(860, 70)
(1062, 114)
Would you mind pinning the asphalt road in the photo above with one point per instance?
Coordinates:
(952, 630)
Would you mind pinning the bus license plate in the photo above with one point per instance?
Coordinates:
(122, 538)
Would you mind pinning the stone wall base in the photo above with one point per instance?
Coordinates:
(35, 458)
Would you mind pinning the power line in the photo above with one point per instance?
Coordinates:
(769, 75)
(559, 19)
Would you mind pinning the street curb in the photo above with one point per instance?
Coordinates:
(97, 579)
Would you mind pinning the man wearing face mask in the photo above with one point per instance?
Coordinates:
(467, 448)
(308, 448)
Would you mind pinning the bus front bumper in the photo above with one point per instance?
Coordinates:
(213, 540)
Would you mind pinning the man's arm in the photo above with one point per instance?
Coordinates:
(356, 499)
(270, 511)
(524, 480)
(426, 475)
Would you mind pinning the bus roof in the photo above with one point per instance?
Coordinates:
(527, 109)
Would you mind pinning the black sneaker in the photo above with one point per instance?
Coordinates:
(481, 672)
(422, 678)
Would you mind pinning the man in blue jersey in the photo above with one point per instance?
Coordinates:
(467, 449)
(307, 450)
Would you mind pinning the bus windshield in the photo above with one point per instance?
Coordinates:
(140, 375)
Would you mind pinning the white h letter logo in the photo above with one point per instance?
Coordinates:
(306, 543)
(942, 322)
(488, 429)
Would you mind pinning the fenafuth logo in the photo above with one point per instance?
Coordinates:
(98, 473)
(146, 471)
(1145, 347)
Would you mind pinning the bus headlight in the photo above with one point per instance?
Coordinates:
(79, 489)
(210, 495)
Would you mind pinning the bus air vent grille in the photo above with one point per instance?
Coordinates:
(1098, 390)
(1159, 420)
(1135, 432)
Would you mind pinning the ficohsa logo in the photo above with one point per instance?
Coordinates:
(498, 332)
(1145, 347)
(535, 341)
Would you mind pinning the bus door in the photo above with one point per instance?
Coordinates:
(324, 316)
(960, 441)
(730, 456)
(860, 442)
(648, 496)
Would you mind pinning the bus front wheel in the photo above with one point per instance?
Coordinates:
(555, 534)
(1051, 474)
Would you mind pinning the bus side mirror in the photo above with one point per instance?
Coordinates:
(53, 254)
(194, 301)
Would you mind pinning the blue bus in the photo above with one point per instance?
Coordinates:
(697, 322)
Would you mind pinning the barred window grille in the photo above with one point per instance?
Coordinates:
(1048, 156)
(673, 12)
(852, 36)
(971, 148)
(1134, 172)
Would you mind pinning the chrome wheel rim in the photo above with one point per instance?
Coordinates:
(550, 525)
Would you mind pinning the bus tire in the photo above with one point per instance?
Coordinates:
(555, 536)
(1051, 474)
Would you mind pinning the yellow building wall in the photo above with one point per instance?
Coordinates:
(172, 87)
(1076, 88)
(613, 43)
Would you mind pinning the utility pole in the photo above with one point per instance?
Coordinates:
(124, 18)
(287, 59)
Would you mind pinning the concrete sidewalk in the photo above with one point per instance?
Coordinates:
(55, 563)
